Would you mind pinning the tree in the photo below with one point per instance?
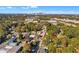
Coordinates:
(51, 48)
(26, 47)
(2, 32)
(23, 29)
(18, 29)
(58, 50)
(74, 42)
(21, 37)
(69, 49)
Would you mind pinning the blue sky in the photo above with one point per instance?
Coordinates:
(38, 9)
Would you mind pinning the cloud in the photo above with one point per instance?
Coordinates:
(61, 12)
(33, 6)
(25, 7)
(9, 7)
(55, 12)
(29, 7)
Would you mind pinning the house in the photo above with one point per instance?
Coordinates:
(25, 34)
(15, 49)
(35, 21)
(9, 48)
(14, 38)
(42, 50)
(29, 19)
(4, 48)
(14, 24)
(52, 21)
(55, 34)
(16, 34)
(32, 36)
(42, 34)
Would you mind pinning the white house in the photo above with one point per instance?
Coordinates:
(52, 21)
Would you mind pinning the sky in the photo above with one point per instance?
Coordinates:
(39, 9)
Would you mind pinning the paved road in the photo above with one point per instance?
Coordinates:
(14, 49)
